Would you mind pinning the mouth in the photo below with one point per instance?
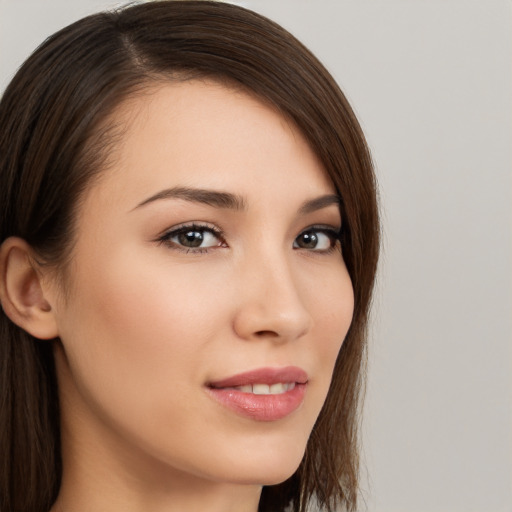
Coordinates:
(265, 389)
(261, 378)
(265, 394)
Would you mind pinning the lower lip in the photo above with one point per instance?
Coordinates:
(261, 407)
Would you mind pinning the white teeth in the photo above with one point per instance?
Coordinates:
(278, 388)
(265, 389)
(261, 389)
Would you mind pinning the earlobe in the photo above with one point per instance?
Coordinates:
(22, 293)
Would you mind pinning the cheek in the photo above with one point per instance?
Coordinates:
(134, 333)
(330, 299)
(147, 309)
(333, 307)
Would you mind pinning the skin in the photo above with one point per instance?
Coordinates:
(145, 325)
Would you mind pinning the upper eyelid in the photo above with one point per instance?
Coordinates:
(323, 227)
(335, 232)
(199, 226)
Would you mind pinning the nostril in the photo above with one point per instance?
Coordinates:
(266, 334)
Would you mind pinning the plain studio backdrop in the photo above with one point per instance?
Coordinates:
(431, 81)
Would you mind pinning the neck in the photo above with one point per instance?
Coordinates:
(91, 498)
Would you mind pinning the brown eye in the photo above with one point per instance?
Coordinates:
(307, 240)
(192, 237)
(316, 240)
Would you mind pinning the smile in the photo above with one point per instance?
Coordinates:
(264, 394)
(265, 389)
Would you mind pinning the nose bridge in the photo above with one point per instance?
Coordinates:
(271, 303)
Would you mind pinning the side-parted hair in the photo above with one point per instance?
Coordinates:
(55, 137)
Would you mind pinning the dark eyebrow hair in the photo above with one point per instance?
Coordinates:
(198, 195)
(232, 201)
(318, 203)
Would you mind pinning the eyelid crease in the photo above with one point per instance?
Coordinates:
(337, 230)
(198, 226)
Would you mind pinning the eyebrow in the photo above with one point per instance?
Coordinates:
(198, 195)
(231, 201)
(319, 203)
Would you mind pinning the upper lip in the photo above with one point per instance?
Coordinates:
(263, 376)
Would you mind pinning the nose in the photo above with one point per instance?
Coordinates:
(271, 302)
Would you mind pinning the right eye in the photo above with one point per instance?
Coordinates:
(193, 238)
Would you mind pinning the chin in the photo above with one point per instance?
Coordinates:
(270, 475)
(268, 467)
(260, 454)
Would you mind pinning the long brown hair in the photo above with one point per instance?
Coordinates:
(53, 141)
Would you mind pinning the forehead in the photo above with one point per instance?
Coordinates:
(203, 133)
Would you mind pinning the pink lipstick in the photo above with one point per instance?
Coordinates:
(265, 394)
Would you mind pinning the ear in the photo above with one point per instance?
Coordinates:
(22, 291)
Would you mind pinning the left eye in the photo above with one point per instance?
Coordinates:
(315, 239)
(192, 237)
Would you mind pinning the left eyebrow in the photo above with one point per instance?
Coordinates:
(318, 203)
(213, 198)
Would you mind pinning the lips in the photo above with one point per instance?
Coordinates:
(265, 394)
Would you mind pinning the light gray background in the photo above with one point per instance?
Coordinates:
(431, 81)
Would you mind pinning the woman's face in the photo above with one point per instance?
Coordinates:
(208, 297)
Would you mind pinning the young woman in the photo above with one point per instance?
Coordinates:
(189, 240)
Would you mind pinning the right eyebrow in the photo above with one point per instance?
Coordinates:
(214, 198)
(320, 202)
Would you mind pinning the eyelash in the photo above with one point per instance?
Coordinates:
(190, 228)
(335, 236)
